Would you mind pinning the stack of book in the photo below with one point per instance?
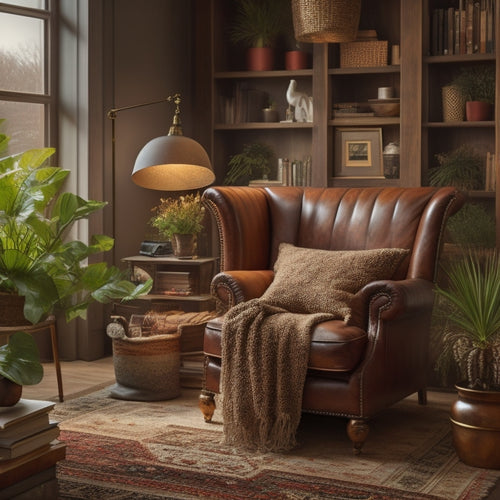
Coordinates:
(173, 283)
(25, 427)
(29, 450)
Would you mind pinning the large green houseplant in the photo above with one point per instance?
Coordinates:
(469, 303)
(40, 268)
(253, 162)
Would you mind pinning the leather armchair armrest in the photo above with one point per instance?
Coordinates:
(232, 287)
(390, 299)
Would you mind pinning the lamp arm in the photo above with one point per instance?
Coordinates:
(176, 98)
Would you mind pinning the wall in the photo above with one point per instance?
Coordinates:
(116, 53)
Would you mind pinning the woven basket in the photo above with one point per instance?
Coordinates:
(319, 21)
(147, 368)
(363, 54)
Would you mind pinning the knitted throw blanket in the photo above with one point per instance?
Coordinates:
(265, 351)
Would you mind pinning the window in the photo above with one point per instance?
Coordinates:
(27, 73)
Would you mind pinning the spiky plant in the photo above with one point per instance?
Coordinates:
(462, 168)
(471, 308)
(258, 23)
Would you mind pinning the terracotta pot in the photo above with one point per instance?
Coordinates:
(295, 59)
(184, 245)
(260, 59)
(10, 392)
(478, 111)
(475, 420)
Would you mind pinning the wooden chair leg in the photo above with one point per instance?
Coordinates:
(422, 397)
(357, 430)
(57, 363)
(206, 403)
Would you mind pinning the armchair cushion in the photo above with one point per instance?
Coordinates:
(309, 280)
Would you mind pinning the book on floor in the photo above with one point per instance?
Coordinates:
(13, 448)
(26, 427)
(22, 411)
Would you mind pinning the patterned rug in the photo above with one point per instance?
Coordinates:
(135, 450)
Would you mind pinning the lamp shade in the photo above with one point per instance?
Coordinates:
(173, 163)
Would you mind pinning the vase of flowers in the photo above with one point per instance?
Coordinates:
(180, 220)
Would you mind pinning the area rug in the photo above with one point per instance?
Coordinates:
(135, 450)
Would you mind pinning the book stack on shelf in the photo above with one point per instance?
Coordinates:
(466, 28)
(29, 449)
(173, 283)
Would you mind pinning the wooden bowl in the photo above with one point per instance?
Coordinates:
(385, 107)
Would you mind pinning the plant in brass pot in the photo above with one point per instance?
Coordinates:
(253, 162)
(477, 85)
(469, 303)
(257, 24)
(180, 220)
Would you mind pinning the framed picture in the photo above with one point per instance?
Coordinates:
(358, 152)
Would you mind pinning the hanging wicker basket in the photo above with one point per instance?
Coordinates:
(320, 21)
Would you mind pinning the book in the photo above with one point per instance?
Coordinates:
(20, 468)
(14, 440)
(26, 427)
(23, 410)
(39, 440)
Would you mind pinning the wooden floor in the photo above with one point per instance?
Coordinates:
(77, 377)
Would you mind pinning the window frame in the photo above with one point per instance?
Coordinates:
(51, 63)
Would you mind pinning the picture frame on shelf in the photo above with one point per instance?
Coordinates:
(358, 152)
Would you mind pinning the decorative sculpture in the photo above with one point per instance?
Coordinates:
(303, 103)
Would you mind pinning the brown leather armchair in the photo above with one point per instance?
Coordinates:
(353, 372)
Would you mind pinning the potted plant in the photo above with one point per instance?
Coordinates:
(257, 24)
(476, 83)
(179, 220)
(253, 162)
(19, 365)
(39, 269)
(469, 304)
(463, 168)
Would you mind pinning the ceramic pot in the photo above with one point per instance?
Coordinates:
(10, 392)
(295, 59)
(184, 245)
(478, 111)
(475, 421)
(260, 59)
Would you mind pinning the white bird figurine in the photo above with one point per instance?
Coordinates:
(303, 103)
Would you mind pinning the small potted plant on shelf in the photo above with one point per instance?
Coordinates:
(469, 305)
(180, 220)
(254, 162)
(463, 168)
(258, 24)
(476, 84)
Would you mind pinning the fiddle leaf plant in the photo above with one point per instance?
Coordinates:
(37, 259)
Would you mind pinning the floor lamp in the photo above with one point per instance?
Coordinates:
(172, 162)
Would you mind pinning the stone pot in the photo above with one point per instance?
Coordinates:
(10, 392)
(260, 59)
(478, 111)
(184, 245)
(475, 421)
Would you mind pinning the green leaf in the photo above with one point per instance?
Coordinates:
(20, 361)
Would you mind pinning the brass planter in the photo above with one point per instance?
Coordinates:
(475, 420)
